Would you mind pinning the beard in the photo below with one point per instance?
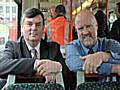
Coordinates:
(88, 41)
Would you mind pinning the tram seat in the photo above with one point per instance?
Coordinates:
(35, 86)
(82, 85)
(12, 85)
(99, 86)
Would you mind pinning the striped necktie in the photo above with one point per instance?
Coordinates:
(34, 52)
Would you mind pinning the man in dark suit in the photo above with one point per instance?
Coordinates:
(115, 30)
(103, 27)
(18, 57)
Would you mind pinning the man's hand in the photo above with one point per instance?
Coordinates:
(93, 61)
(45, 67)
(50, 78)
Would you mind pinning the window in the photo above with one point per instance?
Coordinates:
(13, 9)
(7, 0)
(1, 9)
(7, 9)
(13, 18)
(8, 25)
(7, 18)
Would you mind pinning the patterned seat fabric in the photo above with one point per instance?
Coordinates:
(35, 86)
(99, 86)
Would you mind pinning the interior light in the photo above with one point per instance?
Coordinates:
(84, 5)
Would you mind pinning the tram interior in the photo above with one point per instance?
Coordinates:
(10, 15)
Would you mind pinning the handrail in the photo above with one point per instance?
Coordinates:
(81, 76)
(100, 75)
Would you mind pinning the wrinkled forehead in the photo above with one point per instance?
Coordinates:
(84, 18)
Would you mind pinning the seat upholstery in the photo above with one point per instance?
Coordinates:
(35, 86)
(82, 85)
(99, 86)
(2, 83)
(13, 85)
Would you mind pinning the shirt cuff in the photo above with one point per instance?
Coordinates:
(61, 68)
(35, 63)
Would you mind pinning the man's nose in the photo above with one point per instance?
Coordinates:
(34, 27)
(85, 30)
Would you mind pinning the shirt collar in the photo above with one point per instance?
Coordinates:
(29, 47)
(87, 49)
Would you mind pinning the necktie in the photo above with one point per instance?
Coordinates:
(34, 52)
(90, 51)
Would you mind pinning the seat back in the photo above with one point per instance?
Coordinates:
(99, 86)
(2, 83)
(35, 86)
(82, 85)
(11, 85)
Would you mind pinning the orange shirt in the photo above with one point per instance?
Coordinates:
(50, 19)
(56, 30)
(13, 32)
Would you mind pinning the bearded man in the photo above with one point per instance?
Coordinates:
(90, 53)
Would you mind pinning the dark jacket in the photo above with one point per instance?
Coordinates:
(16, 58)
(103, 27)
(115, 30)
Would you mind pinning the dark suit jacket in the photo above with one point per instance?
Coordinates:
(115, 30)
(16, 58)
(103, 27)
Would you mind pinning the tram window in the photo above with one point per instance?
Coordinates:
(7, 0)
(2, 40)
(1, 9)
(112, 18)
(7, 9)
(13, 18)
(13, 9)
(8, 18)
(8, 22)
(1, 0)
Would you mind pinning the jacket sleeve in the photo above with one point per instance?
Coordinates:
(55, 53)
(11, 65)
(115, 31)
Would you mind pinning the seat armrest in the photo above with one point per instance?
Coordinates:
(10, 81)
(59, 78)
(80, 77)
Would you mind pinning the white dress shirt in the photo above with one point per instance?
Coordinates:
(37, 48)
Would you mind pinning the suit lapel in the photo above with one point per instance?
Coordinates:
(44, 48)
(25, 50)
(53, 48)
